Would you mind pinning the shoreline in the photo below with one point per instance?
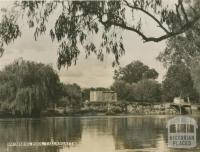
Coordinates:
(91, 115)
(133, 109)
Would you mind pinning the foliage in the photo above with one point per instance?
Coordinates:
(183, 48)
(71, 96)
(135, 82)
(124, 90)
(148, 91)
(195, 73)
(178, 57)
(86, 94)
(134, 72)
(143, 91)
(78, 21)
(178, 82)
(27, 87)
(9, 30)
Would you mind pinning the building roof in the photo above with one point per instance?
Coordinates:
(106, 91)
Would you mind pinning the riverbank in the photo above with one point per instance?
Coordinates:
(106, 110)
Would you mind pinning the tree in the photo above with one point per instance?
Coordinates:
(148, 91)
(78, 20)
(86, 94)
(134, 72)
(178, 82)
(71, 96)
(27, 88)
(125, 91)
(143, 91)
(195, 73)
(183, 48)
(135, 82)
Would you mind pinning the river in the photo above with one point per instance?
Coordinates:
(88, 134)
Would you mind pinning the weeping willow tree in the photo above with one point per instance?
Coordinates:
(27, 88)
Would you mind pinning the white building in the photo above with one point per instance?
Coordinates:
(103, 96)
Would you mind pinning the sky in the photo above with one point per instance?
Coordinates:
(87, 72)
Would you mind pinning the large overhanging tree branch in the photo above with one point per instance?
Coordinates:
(185, 47)
(183, 29)
(188, 23)
(78, 21)
(135, 7)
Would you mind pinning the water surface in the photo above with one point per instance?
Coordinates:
(90, 134)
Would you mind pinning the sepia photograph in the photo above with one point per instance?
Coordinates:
(99, 75)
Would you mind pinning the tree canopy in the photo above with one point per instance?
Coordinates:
(148, 91)
(134, 72)
(77, 21)
(183, 48)
(136, 82)
(178, 82)
(195, 73)
(27, 88)
(124, 90)
(145, 90)
(71, 96)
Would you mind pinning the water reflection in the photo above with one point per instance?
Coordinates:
(39, 130)
(130, 132)
(91, 134)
